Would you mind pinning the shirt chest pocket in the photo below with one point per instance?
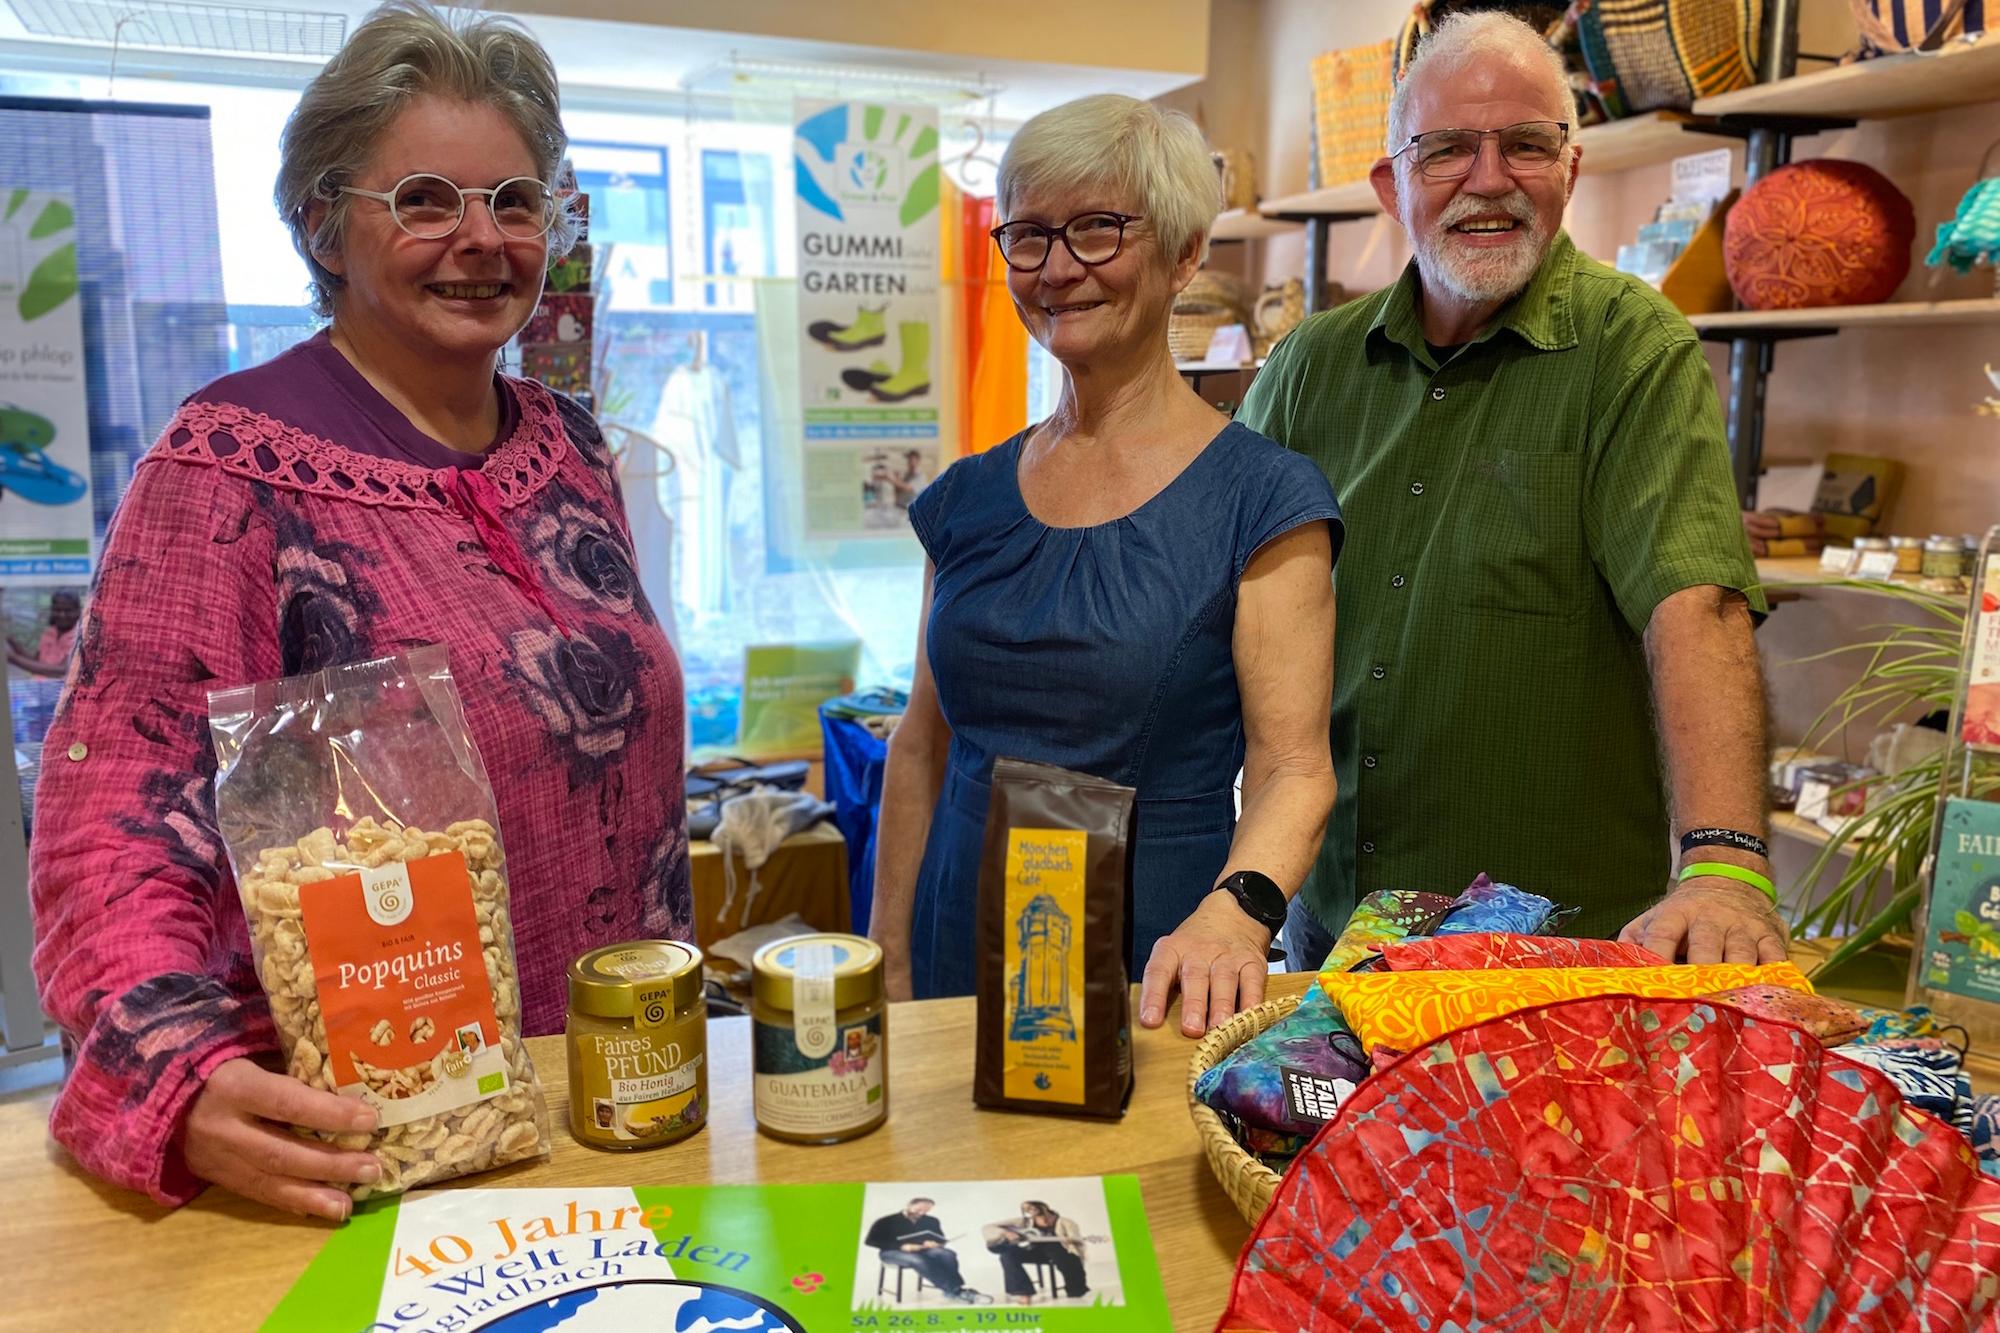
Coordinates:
(1518, 534)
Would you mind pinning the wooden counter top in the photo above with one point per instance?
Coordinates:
(94, 1256)
(90, 1255)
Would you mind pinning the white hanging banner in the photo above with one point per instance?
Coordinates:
(869, 312)
(45, 531)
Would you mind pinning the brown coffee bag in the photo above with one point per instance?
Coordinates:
(1055, 1024)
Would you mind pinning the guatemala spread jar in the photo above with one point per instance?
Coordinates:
(820, 1039)
(638, 1045)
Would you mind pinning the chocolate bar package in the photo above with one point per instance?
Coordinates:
(1054, 1032)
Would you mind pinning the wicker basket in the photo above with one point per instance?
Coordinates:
(1209, 302)
(1209, 287)
(1189, 330)
(1247, 1181)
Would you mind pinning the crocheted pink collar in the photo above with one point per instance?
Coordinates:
(263, 448)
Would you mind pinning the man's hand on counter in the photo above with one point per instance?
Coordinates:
(238, 1137)
(1711, 920)
(1217, 957)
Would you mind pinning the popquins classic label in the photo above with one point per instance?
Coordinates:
(403, 989)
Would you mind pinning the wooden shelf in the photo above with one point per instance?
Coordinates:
(1797, 569)
(1639, 141)
(1355, 199)
(1804, 571)
(1898, 85)
(1636, 141)
(1902, 314)
(1788, 825)
(1240, 224)
(1216, 367)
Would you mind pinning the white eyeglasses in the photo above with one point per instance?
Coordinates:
(431, 208)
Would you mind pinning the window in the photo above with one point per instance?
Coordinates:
(693, 220)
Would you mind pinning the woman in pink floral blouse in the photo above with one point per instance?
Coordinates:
(378, 487)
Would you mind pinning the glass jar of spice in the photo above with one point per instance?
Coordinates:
(638, 1045)
(820, 1040)
(1944, 558)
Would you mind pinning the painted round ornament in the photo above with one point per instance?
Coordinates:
(1820, 233)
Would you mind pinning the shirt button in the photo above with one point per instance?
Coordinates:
(1437, 395)
(1416, 488)
(1396, 582)
(1379, 672)
(1368, 847)
(1369, 761)
(78, 752)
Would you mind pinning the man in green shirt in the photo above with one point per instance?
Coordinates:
(1545, 668)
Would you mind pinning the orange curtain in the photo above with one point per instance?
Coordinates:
(993, 401)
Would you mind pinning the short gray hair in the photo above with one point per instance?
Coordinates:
(404, 50)
(1158, 159)
(1463, 38)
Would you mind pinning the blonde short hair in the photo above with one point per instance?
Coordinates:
(404, 50)
(1460, 40)
(1158, 159)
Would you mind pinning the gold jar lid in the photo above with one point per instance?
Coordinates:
(857, 970)
(604, 981)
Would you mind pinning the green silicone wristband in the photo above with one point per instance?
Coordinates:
(1727, 871)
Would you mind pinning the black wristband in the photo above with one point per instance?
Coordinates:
(1724, 837)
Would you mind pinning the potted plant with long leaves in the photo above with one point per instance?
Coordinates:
(1908, 667)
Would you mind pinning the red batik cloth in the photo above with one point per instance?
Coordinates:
(1616, 1164)
(248, 549)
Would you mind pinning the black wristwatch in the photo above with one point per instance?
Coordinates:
(1260, 898)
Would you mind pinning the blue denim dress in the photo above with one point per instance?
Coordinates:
(1104, 649)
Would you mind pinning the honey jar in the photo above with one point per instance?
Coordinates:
(638, 1045)
(1909, 554)
(820, 1039)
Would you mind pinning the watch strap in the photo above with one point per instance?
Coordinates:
(1259, 896)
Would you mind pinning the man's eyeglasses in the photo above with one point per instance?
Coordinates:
(1532, 145)
(1090, 238)
(431, 208)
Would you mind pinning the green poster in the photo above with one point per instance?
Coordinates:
(1057, 1255)
(1962, 935)
(783, 686)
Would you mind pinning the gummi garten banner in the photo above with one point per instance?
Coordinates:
(869, 312)
(45, 525)
(749, 1259)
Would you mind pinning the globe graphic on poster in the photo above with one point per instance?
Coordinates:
(656, 1305)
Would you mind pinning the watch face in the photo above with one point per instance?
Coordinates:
(1260, 898)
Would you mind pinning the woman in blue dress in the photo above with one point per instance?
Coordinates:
(1134, 588)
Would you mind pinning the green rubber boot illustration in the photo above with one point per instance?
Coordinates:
(861, 381)
(915, 376)
(867, 330)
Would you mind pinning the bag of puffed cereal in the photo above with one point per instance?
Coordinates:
(363, 835)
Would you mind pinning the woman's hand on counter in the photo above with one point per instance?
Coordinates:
(1217, 957)
(238, 1136)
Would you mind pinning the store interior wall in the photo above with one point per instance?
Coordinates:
(1160, 35)
(1904, 394)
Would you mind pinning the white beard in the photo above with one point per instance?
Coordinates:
(1483, 275)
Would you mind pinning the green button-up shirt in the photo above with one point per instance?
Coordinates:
(1513, 517)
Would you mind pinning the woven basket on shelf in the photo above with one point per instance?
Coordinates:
(1247, 1181)
(1210, 301)
(1211, 288)
(1189, 331)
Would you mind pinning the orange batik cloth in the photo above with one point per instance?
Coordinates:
(1405, 1010)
